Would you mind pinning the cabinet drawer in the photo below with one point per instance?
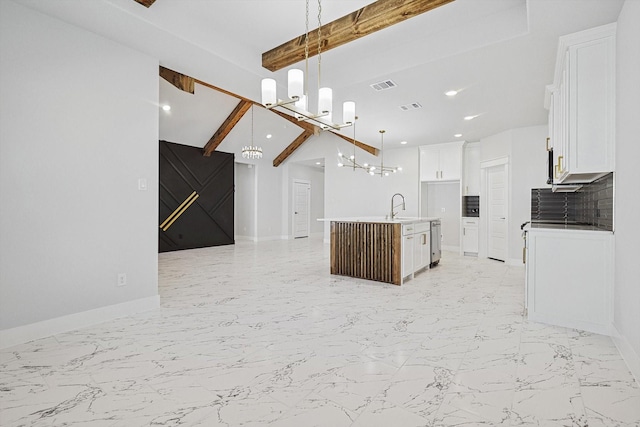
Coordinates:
(408, 229)
(468, 222)
(422, 227)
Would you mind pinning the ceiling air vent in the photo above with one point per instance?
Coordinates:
(384, 85)
(412, 106)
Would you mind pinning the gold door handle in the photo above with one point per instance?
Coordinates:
(548, 139)
(560, 168)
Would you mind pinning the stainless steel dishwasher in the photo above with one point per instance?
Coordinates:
(436, 242)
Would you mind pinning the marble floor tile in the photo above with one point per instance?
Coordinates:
(262, 335)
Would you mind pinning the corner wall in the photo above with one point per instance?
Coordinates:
(627, 179)
(78, 129)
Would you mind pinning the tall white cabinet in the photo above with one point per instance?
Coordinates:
(471, 177)
(581, 103)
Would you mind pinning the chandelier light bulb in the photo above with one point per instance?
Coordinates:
(269, 92)
(325, 100)
(348, 112)
(295, 83)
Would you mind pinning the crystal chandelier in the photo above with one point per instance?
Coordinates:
(252, 152)
(381, 170)
(298, 94)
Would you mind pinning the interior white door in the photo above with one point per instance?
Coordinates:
(301, 208)
(497, 213)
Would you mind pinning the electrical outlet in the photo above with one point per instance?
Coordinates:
(442, 210)
(122, 279)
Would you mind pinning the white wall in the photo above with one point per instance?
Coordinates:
(245, 201)
(315, 176)
(525, 150)
(79, 127)
(627, 179)
(351, 193)
(528, 170)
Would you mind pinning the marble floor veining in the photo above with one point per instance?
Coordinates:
(262, 335)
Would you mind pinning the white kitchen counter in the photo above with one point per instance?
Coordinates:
(382, 220)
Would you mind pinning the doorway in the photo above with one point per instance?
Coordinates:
(301, 208)
(494, 218)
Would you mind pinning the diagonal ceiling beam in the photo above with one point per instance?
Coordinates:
(224, 129)
(292, 147)
(145, 3)
(180, 81)
(365, 147)
(316, 131)
(371, 18)
(304, 125)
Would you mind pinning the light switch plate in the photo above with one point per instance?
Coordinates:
(142, 184)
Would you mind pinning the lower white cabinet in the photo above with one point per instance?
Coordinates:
(407, 255)
(421, 246)
(470, 238)
(416, 247)
(570, 278)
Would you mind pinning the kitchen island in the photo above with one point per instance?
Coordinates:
(380, 249)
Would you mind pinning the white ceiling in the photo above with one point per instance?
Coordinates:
(498, 53)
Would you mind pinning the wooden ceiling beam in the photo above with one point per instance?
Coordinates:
(145, 3)
(369, 149)
(371, 18)
(226, 127)
(316, 131)
(180, 81)
(292, 147)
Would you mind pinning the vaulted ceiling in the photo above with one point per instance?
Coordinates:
(498, 54)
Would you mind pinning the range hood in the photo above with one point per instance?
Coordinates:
(565, 188)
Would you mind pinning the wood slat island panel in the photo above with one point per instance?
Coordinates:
(367, 250)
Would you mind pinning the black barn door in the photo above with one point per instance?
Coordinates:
(196, 198)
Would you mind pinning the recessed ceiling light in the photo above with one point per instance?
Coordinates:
(451, 93)
(269, 136)
(403, 142)
(471, 117)
(166, 107)
(318, 163)
(458, 135)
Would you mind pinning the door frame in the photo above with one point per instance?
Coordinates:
(483, 237)
(295, 181)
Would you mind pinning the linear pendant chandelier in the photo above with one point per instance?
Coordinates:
(381, 169)
(298, 93)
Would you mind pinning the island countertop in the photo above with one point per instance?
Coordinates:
(381, 219)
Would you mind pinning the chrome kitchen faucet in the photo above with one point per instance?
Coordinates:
(393, 214)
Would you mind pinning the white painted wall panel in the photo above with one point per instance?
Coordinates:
(78, 128)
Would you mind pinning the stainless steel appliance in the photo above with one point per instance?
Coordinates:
(436, 242)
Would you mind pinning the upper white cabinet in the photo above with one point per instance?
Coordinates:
(581, 105)
(471, 179)
(441, 162)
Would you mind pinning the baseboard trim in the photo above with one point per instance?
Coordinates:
(629, 355)
(58, 325)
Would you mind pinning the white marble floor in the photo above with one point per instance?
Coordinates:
(262, 335)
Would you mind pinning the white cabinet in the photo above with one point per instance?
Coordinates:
(441, 162)
(470, 235)
(421, 246)
(407, 253)
(581, 105)
(416, 247)
(570, 278)
(471, 176)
